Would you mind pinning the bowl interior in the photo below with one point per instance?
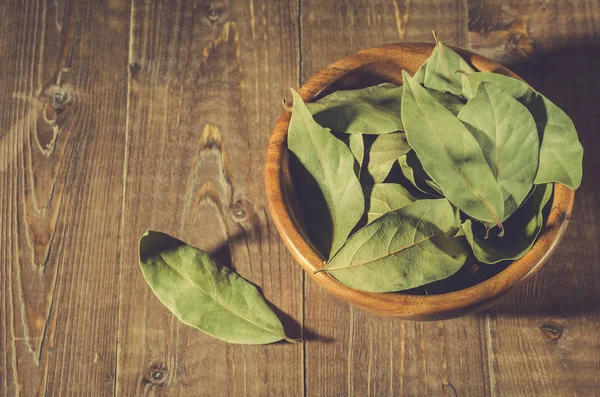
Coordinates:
(475, 286)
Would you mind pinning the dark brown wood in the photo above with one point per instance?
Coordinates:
(119, 116)
(204, 80)
(64, 87)
(545, 337)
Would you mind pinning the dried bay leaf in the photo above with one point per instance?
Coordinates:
(384, 152)
(412, 169)
(204, 295)
(506, 133)
(468, 83)
(356, 144)
(521, 230)
(402, 249)
(386, 197)
(561, 153)
(420, 74)
(453, 103)
(440, 73)
(450, 154)
(331, 163)
(371, 110)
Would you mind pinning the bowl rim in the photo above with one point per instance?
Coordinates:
(397, 304)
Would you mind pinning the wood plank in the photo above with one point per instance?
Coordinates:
(359, 354)
(545, 338)
(61, 154)
(205, 79)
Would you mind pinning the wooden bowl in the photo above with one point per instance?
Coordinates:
(366, 68)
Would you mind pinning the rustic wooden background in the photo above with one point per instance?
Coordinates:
(124, 115)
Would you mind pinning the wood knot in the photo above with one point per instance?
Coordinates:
(214, 13)
(55, 114)
(58, 97)
(552, 331)
(241, 210)
(157, 374)
(210, 138)
(134, 67)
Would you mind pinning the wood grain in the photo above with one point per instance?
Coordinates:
(61, 167)
(203, 78)
(120, 115)
(545, 338)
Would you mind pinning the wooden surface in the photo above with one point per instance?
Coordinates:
(120, 116)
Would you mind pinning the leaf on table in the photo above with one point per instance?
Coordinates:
(331, 164)
(386, 197)
(440, 73)
(507, 135)
(561, 153)
(371, 110)
(403, 249)
(383, 154)
(521, 230)
(450, 155)
(204, 295)
(412, 169)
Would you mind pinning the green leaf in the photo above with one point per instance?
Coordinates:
(506, 133)
(420, 74)
(468, 82)
(561, 153)
(521, 230)
(357, 147)
(403, 249)
(372, 110)
(383, 154)
(412, 169)
(205, 295)
(450, 155)
(442, 65)
(331, 163)
(386, 197)
(453, 103)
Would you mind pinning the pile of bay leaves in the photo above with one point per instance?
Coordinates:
(416, 179)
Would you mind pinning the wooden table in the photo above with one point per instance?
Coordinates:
(120, 116)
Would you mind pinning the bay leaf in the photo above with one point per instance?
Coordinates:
(386, 197)
(434, 186)
(453, 103)
(204, 295)
(356, 144)
(384, 152)
(468, 82)
(331, 163)
(521, 230)
(370, 110)
(402, 249)
(412, 169)
(442, 65)
(561, 153)
(450, 154)
(507, 135)
(420, 74)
